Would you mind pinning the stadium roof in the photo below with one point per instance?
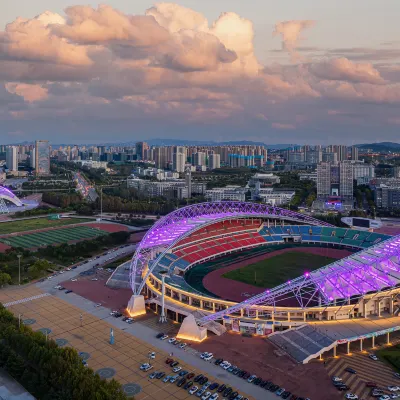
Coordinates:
(184, 221)
(10, 196)
(371, 270)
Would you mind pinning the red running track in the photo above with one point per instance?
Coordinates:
(231, 290)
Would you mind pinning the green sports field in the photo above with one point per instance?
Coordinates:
(52, 237)
(279, 269)
(37, 223)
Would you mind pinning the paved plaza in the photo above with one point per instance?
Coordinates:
(91, 333)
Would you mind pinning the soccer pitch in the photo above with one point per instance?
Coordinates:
(276, 270)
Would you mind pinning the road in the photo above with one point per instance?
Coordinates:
(146, 333)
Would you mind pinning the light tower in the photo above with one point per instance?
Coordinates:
(163, 318)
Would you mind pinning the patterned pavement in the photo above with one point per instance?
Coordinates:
(367, 371)
(124, 357)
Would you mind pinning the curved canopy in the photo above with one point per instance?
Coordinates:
(371, 270)
(184, 221)
(7, 194)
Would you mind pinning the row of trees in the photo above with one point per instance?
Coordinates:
(42, 210)
(62, 200)
(47, 371)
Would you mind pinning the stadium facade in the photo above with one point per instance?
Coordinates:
(305, 316)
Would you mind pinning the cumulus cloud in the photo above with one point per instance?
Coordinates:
(33, 40)
(290, 33)
(342, 69)
(30, 93)
(172, 64)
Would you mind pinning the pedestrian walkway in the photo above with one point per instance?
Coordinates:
(13, 303)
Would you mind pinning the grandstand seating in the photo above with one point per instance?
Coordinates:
(214, 240)
(302, 342)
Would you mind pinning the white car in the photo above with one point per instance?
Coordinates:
(172, 340)
(182, 345)
(227, 365)
(97, 305)
(61, 272)
(193, 390)
(396, 375)
(336, 379)
(214, 396)
(57, 287)
(68, 269)
(176, 369)
(94, 279)
(205, 396)
(385, 397)
(144, 366)
(208, 357)
(393, 388)
(207, 385)
(164, 337)
(74, 280)
(202, 355)
(373, 357)
(394, 396)
(148, 368)
(351, 396)
(173, 378)
(152, 355)
(200, 392)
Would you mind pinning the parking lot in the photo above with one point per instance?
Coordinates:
(90, 335)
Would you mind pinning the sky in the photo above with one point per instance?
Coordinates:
(300, 71)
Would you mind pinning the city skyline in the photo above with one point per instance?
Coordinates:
(264, 72)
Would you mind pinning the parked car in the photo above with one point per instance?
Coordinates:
(206, 396)
(152, 355)
(279, 391)
(214, 386)
(173, 378)
(164, 337)
(182, 345)
(183, 373)
(218, 361)
(181, 382)
(251, 378)
(198, 377)
(351, 396)
(285, 395)
(188, 385)
(148, 368)
(336, 379)
(190, 376)
(68, 291)
(257, 381)
(351, 371)
(371, 384)
(227, 392)
(393, 388)
(174, 363)
(203, 380)
(373, 357)
(193, 390)
(176, 369)
(233, 395)
(172, 340)
(214, 396)
(159, 335)
(200, 392)
(221, 388)
(153, 375)
(342, 387)
(160, 375)
(167, 378)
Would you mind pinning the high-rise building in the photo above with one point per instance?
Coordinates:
(141, 147)
(188, 181)
(214, 161)
(42, 157)
(32, 159)
(354, 153)
(335, 179)
(12, 158)
(313, 156)
(178, 162)
(199, 158)
(330, 157)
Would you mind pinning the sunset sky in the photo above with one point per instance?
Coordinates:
(303, 71)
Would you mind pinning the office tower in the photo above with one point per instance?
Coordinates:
(12, 158)
(179, 161)
(42, 157)
(199, 158)
(324, 179)
(346, 179)
(214, 161)
(341, 151)
(141, 147)
(32, 159)
(354, 153)
(295, 157)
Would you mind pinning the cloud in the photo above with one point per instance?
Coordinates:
(342, 69)
(278, 125)
(290, 32)
(30, 93)
(33, 40)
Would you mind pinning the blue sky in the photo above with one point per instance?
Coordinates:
(363, 27)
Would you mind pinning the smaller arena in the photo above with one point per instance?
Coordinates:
(315, 286)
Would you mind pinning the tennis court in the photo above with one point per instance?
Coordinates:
(52, 237)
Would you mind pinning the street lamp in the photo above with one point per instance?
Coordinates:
(163, 318)
(19, 268)
(19, 320)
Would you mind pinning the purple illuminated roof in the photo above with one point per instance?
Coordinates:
(371, 270)
(9, 195)
(186, 220)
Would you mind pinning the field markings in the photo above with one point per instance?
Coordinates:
(26, 299)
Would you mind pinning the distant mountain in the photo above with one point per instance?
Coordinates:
(380, 146)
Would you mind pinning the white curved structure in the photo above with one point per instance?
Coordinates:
(185, 221)
(7, 194)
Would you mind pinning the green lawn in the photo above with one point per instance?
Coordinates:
(279, 269)
(53, 237)
(390, 355)
(37, 223)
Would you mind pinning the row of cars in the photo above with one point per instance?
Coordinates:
(199, 386)
(59, 287)
(118, 314)
(375, 390)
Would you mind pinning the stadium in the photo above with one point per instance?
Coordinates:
(9, 202)
(353, 297)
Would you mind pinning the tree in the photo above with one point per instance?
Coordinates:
(4, 279)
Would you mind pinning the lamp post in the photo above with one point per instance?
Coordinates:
(163, 318)
(19, 268)
(19, 320)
